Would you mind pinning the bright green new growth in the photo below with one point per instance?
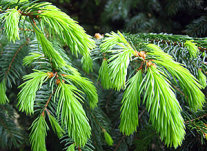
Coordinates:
(29, 88)
(71, 147)
(49, 23)
(11, 18)
(104, 75)
(87, 63)
(86, 86)
(109, 42)
(108, 138)
(55, 126)
(14, 1)
(202, 78)
(3, 97)
(72, 114)
(130, 103)
(67, 29)
(192, 48)
(38, 134)
(188, 83)
(49, 50)
(119, 60)
(158, 95)
(164, 108)
(31, 58)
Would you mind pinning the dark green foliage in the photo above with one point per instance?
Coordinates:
(171, 16)
(12, 135)
(198, 27)
(11, 60)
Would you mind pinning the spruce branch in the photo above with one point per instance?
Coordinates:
(87, 63)
(164, 108)
(38, 134)
(29, 88)
(104, 75)
(56, 126)
(130, 104)
(11, 20)
(192, 48)
(188, 83)
(72, 114)
(198, 118)
(87, 87)
(119, 61)
(67, 29)
(15, 55)
(49, 50)
(3, 97)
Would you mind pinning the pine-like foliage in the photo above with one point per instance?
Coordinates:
(131, 101)
(151, 77)
(151, 71)
(12, 135)
(54, 88)
(38, 134)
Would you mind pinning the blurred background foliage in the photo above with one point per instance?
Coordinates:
(168, 16)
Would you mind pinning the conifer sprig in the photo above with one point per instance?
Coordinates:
(202, 78)
(28, 60)
(187, 81)
(55, 126)
(29, 88)
(49, 50)
(104, 75)
(87, 87)
(3, 97)
(87, 63)
(72, 114)
(120, 58)
(71, 147)
(38, 134)
(164, 108)
(67, 29)
(130, 103)
(192, 48)
(107, 137)
(11, 20)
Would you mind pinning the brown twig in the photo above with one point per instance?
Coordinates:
(46, 105)
(196, 118)
(12, 61)
(79, 149)
(117, 146)
(178, 90)
(141, 66)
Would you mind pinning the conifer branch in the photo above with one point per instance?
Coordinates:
(48, 101)
(72, 115)
(200, 117)
(29, 88)
(13, 58)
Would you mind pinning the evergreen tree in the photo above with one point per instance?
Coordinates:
(154, 76)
